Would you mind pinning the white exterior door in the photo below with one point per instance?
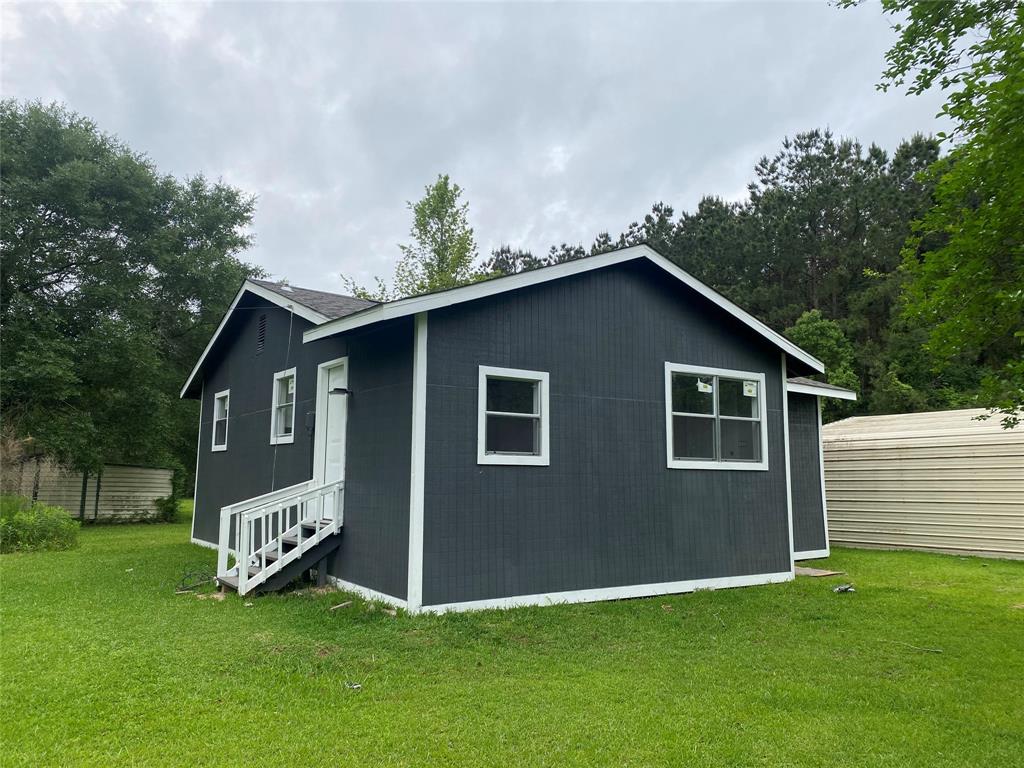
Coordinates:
(331, 416)
(334, 425)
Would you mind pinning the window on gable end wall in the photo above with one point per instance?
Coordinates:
(282, 410)
(513, 417)
(715, 418)
(221, 407)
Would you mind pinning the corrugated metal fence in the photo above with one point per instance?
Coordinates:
(118, 493)
(935, 481)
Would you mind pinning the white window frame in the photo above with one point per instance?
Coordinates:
(224, 395)
(276, 439)
(543, 459)
(696, 370)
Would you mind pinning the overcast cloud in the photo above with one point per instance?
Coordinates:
(559, 121)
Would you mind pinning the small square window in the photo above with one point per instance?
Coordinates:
(513, 417)
(221, 406)
(282, 411)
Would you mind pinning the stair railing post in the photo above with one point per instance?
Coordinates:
(243, 553)
(223, 544)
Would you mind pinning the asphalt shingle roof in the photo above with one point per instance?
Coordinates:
(330, 305)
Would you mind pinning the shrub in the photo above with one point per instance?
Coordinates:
(167, 509)
(27, 526)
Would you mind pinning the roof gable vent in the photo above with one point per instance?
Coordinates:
(261, 334)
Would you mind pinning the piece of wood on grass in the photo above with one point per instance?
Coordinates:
(346, 604)
(816, 572)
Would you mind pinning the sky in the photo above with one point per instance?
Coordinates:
(559, 121)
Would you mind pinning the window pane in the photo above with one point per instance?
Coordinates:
(738, 397)
(741, 440)
(693, 394)
(286, 391)
(693, 437)
(220, 408)
(220, 431)
(511, 396)
(513, 434)
(284, 419)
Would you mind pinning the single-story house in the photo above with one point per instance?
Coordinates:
(603, 428)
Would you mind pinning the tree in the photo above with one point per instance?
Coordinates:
(965, 259)
(442, 250)
(113, 278)
(825, 339)
(506, 260)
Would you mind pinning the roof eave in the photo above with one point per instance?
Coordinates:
(834, 392)
(264, 293)
(416, 304)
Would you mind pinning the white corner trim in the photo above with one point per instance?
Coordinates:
(214, 445)
(366, 593)
(199, 448)
(821, 469)
(494, 286)
(543, 459)
(807, 389)
(417, 463)
(202, 542)
(700, 370)
(811, 554)
(276, 439)
(613, 593)
(257, 290)
(789, 480)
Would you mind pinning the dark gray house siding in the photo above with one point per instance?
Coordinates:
(374, 549)
(805, 463)
(607, 512)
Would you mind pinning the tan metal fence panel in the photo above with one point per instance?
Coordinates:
(935, 481)
(125, 492)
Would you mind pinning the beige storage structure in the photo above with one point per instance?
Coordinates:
(120, 493)
(940, 481)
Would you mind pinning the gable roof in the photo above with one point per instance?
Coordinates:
(330, 305)
(811, 387)
(315, 306)
(416, 304)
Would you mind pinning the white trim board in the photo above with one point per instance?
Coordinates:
(204, 543)
(418, 304)
(821, 470)
(366, 593)
(613, 593)
(789, 476)
(199, 448)
(811, 554)
(806, 389)
(417, 464)
(257, 290)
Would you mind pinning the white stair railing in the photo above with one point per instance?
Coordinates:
(267, 533)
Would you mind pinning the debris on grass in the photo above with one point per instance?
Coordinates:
(346, 604)
(353, 686)
(816, 572)
(914, 647)
(666, 608)
(194, 577)
(249, 605)
(390, 612)
(839, 588)
(218, 596)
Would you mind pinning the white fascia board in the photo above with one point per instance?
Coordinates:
(257, 290)
(486, 288)
(807, 389)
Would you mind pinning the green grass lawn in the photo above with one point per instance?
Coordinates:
(103, 664)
